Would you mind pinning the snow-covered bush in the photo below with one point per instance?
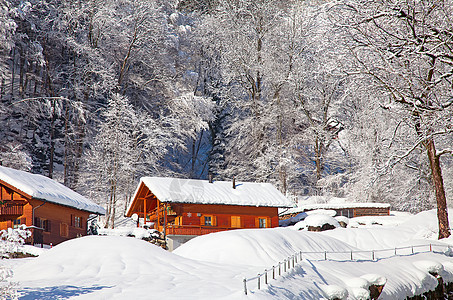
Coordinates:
(8, 289)
(12, 239)
(320, 220)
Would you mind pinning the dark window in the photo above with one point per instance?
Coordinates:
(208, 220)
(77, 222)
(46, 225)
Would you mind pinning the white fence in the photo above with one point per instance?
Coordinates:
(290, 262)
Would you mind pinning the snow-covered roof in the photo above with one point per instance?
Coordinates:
(44, 188)
(319, 202)
(218, 192)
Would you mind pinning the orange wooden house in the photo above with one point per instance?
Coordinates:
(184, 208)
(53, 212)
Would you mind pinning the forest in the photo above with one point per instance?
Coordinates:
(347, 98)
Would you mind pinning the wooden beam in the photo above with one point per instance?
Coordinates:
(158, 214)
(144, 212)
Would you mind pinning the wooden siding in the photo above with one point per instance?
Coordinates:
(18, 207)
(59, 216)
(189, 218)
(371, 211)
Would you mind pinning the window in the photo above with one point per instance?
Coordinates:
(76, 221)
(16, 223)
(46, 225)
(235, 221)
(346, 212)
(64, 230)
(208, 220)
(37, 222)
(262, 222)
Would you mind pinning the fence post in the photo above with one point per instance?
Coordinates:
(259, 283)
(294, 262)
(372, 254)
(412, 249)
(245, 285)
(351, 255)
(300, 255)
(279, 269)
(325, 255)
(284, 266)
(273, 272)
(265, 276)
(430, 248)
(395, 251)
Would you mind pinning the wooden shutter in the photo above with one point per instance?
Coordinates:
(257, 222)
(214, 221)
(268, 222)
(236, 221)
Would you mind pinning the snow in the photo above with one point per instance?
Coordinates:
(342, 219)
(318, 220)
(218, 192)
(44, 188)
(335, 292)
(330, 203)
(213, 266)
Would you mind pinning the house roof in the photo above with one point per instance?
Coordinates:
(320, 202)
(194, 191)
(44, 188)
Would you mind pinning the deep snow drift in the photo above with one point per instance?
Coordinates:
(213, 266)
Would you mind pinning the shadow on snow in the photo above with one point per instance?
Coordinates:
(56, 292)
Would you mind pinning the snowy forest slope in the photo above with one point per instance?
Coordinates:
(303, 94)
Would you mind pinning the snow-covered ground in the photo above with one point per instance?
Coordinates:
(213, 266)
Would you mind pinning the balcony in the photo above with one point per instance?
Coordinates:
(11, 209)
(193, 229)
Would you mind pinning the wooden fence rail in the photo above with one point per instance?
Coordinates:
(363, 255)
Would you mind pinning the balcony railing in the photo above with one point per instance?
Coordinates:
(9, 209)
(193, 229)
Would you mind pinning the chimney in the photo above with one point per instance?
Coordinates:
(234, 182)
(210, 177)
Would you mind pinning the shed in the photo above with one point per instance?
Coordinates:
(342, 207)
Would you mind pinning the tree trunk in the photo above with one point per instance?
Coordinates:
(436, 172)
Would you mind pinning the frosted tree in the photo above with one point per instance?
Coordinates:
(274, 82)
(406, 48)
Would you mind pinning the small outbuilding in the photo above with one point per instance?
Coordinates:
(53, 212)
(184, 208)
(341, 206)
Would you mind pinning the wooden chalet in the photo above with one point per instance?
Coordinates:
(53, 212)
(184, 208)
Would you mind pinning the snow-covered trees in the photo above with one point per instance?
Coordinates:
(406, 48)
(280, 93)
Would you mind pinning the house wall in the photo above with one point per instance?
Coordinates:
(63, 223)
(371, 211)
(60, 221)
(192, 214)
